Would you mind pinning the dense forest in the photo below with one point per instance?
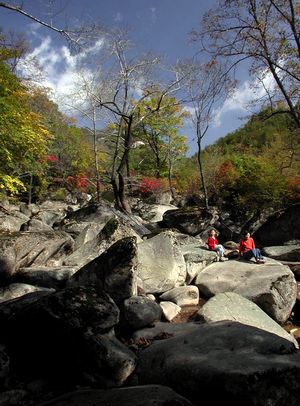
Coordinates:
(141, 151)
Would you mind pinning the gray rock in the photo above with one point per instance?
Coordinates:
(272, 286)
(115, 270)
(231, 306)
(190, 221)
(225, 360)
(52, 277)
(161, 265)
(182, 296)
(113, 231)
(15, 290)
(164, 330)
(25, 249)
(283, 252)
(139, 312)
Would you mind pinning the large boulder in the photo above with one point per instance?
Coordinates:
(115, 270)
(272, 286)
(190, 221)
(144, 395)
(67, 337)
(15, 290)
(54, 277)
(139, 311)
(25, 249)
(281, 227)
(114, 230)
(290, 252)
(161, 265)
(197, 258)
(231, 306)
(227, 360)
(12, 221)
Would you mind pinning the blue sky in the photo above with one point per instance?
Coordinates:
(160, 26)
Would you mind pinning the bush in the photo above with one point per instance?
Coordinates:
(149, 186)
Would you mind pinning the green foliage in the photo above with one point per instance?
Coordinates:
(158, 133)
(59, 194)
(253, 184)
(23, 137)
(257, 166)
(69, 152)
(186, 177)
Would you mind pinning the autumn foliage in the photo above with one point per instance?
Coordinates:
(149, 185)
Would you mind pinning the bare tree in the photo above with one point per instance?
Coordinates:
(77, 37)
(263, 32)
(129, 83)
(206, 84)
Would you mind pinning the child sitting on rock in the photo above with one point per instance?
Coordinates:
(248, 250)
(214, 245)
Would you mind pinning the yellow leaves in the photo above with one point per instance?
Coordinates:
(11, 184)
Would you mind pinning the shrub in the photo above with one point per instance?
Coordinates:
(149, 185)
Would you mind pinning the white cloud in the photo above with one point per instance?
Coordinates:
(60, 67)
(245, 94)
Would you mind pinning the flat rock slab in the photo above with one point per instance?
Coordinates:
(231, 306)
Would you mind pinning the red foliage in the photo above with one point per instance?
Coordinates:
(224, 169)
(79, 181)
(51, 158)
(150, 185)
(293, 188)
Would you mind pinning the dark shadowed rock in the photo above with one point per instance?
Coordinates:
(146, 395)
(241, 365)
(15, 290)
(46, 338)
(49, 277)
(139, 312)
(281, 227)
(114, 270)
(4, 363)
(190, 221)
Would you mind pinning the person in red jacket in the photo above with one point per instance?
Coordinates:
(247, 249)
(214, 245)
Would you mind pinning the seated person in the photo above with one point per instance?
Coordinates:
(247, 249)
(214, 245)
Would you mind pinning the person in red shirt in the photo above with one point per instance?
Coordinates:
(214, 245)
(247, 249)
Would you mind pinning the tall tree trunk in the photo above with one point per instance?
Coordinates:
(125, 206)
(170, 182)
(96, 162)
(113, 176)
(199, 158)
(30, 189)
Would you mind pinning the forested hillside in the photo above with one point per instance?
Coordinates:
(258, 165)
(131, 143)
(43, 151)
